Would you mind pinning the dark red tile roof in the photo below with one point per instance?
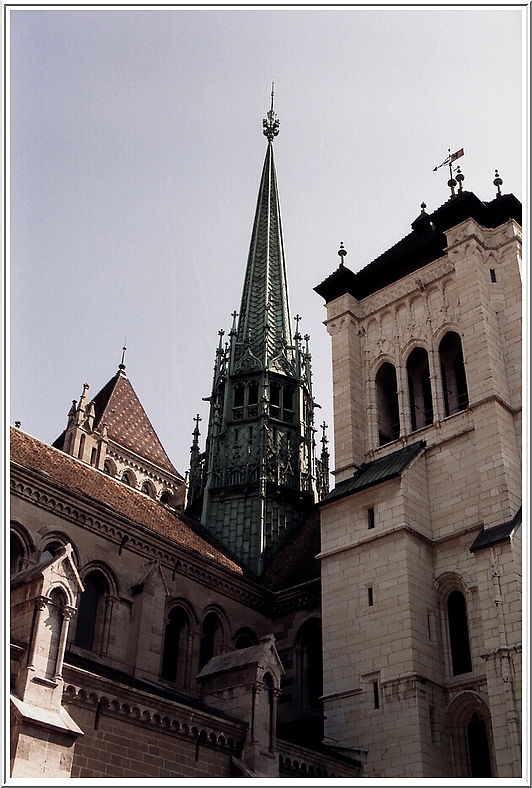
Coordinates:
(97, 487)
(118, 406)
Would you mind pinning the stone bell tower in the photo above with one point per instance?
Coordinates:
(259, 475)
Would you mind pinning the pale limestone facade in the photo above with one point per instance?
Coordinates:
(395, 548)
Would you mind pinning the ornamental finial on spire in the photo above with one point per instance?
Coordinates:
(270, 125)
(122, 365)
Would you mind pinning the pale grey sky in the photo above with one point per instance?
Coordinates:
(136, 153)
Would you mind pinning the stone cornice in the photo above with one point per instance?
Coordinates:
(140, 707)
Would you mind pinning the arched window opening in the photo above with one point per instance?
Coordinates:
(288, 403)
(238, 395)
(453, 374)
(148, 489)
(91, 612)
(387, 403)
(275, 400)
(245, 638)
(478, 747)
(81, 447)
(419, 389)
(109, 468)
(165, 497)
(174, 648)
(311, 665)
(253, 392)
(458, 633)
(128, 478)
(211, 639)
(16, 554)
(50, 551)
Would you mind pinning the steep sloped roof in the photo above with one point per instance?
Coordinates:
(83, 480)
(117, 406)
(265, 292)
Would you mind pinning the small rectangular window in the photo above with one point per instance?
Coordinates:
(493, 275)
(376, 699)
(370, 596)
(371, 518)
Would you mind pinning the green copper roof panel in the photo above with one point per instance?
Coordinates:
(388, 467)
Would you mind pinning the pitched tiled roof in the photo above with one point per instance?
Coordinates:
(97, 487)
(370, 473)
(497, 533)
(117, 406)
(295, 561)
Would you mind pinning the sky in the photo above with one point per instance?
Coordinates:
(136, 151)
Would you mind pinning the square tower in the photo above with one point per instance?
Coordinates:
(420, 537)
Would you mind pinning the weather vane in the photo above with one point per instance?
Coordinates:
(449, 161)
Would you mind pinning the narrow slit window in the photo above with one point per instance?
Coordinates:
(376, 699)
(493, 275)
(371, 518)
(370, 596)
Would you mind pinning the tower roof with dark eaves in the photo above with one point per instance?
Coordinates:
(427, 242)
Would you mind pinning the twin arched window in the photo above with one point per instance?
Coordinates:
(281, 402)
(176, 647)
(245, 399)
(420, 393)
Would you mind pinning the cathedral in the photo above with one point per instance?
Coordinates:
(244, 620)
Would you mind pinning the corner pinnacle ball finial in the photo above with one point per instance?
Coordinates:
(498, 182)
(342, 253)
(270, 124)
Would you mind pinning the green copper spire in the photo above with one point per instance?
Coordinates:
(258, 477)
(263, 332)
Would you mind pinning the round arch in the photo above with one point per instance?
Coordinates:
(21, 547)
(105, 570)
(148, 488)
(54, 540)
(129, 477)
(244, 638)
(469, 723)
(109, 467)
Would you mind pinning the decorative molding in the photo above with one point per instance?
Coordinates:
(141, 708)
(174, 558)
